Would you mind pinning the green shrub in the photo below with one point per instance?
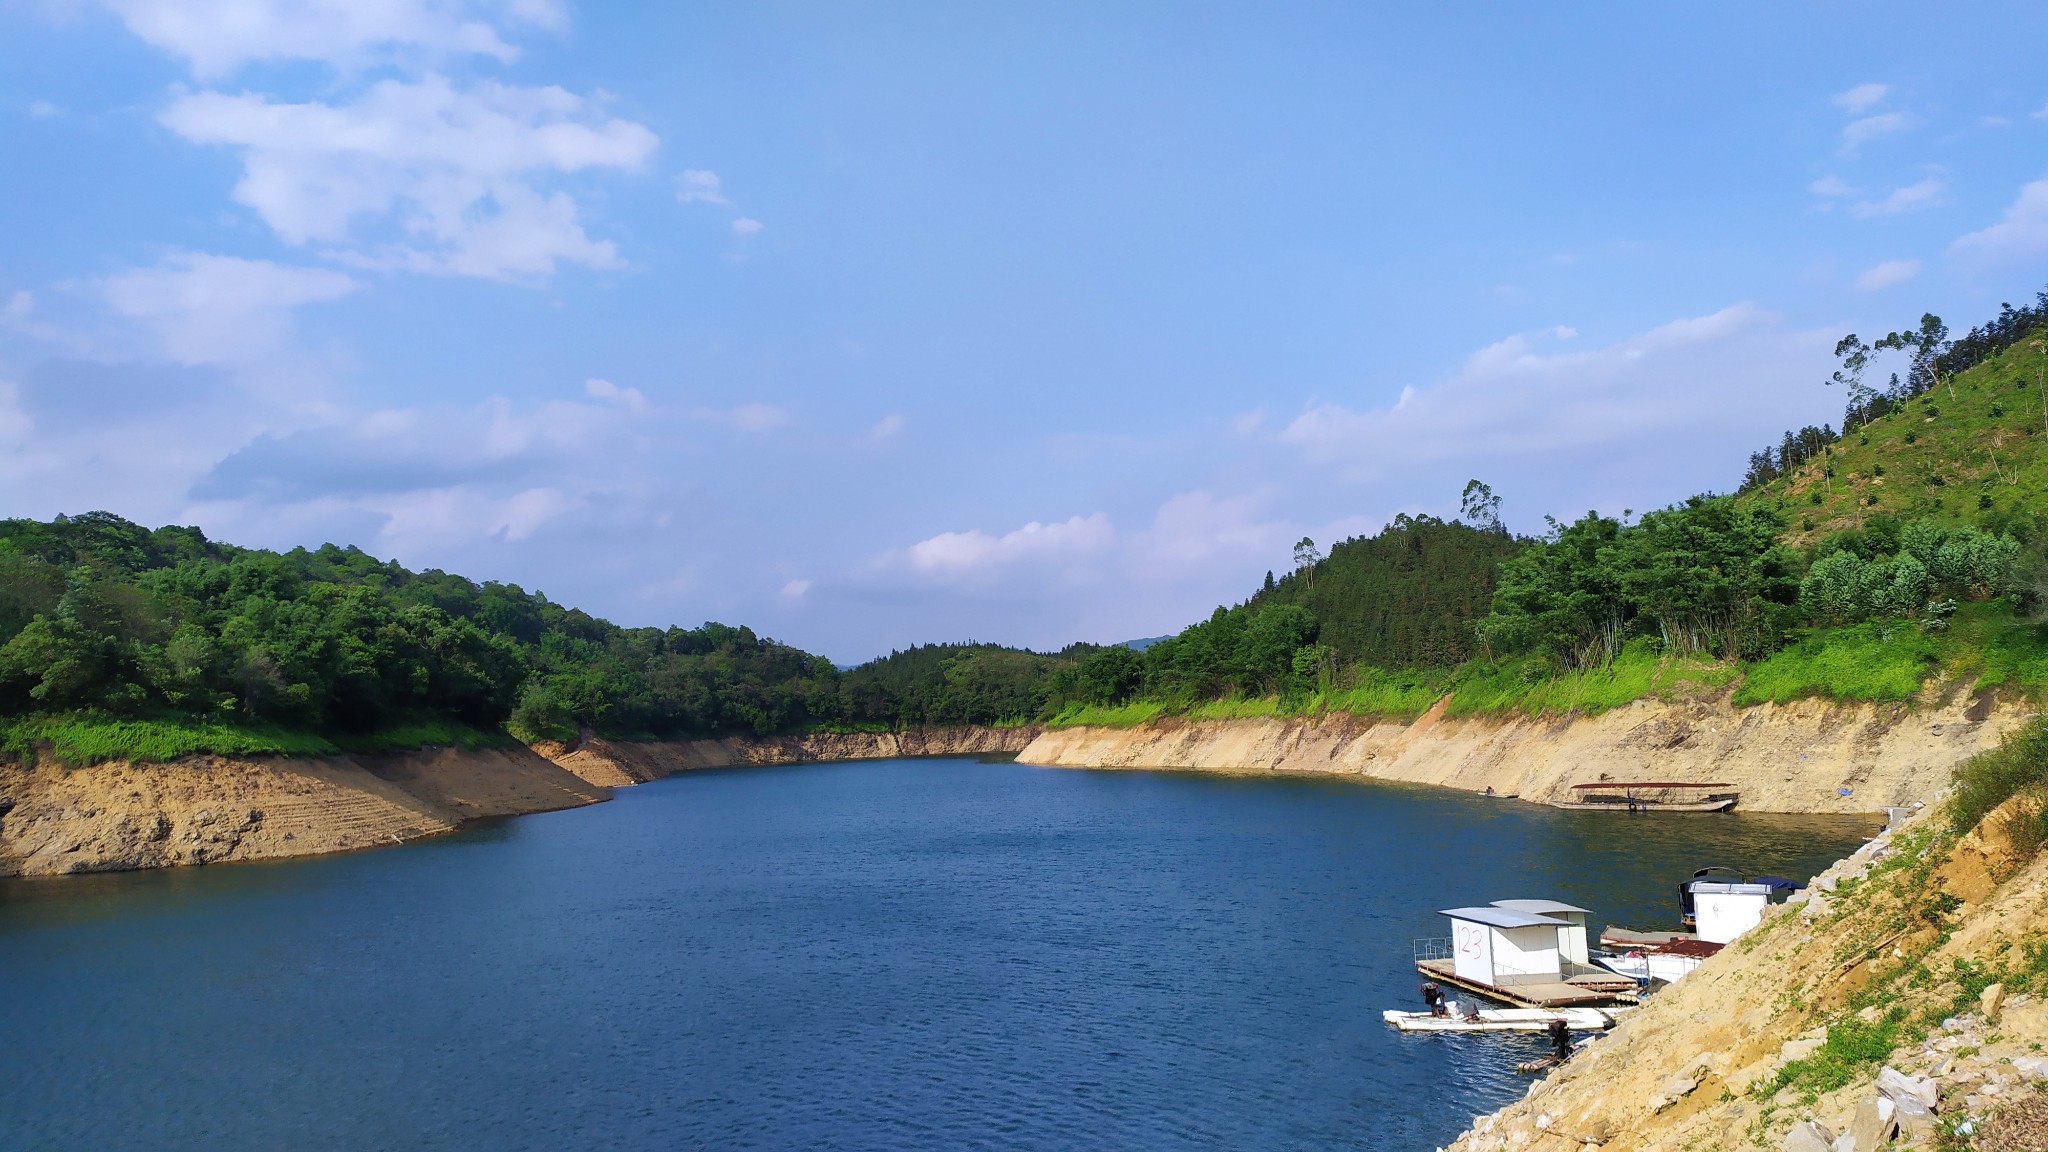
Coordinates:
(1870, 661)
(89, 739)
(1988, 779)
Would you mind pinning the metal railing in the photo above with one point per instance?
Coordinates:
(1433, 948)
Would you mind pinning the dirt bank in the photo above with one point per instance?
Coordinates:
(1782, 758)
(615, 764)
(203, 809)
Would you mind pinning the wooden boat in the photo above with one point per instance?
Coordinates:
(1505, 1020)
(1647, 796)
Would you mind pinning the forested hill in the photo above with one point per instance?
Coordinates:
(109, 626)
(1850, 564)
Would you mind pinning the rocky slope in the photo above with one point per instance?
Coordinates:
(1898, 1003)
(1782, 758)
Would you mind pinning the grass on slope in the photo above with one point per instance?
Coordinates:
(1890, 660)
(91, 739)
(1975, 449)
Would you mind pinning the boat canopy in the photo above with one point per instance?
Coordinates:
(1778, 882)
(1503, 918)
(1724, 888)
(1648, 784)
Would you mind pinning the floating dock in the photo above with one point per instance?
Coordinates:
(1506, 1020)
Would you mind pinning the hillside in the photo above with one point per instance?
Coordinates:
(1972, 449)
(1852, 567)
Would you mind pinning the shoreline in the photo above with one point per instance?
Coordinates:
(204, 809)
(1793, 758)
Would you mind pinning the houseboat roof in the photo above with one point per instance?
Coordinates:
(1723, 887)
(1541, 907)
(1503, 918)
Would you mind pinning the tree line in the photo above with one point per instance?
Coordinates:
(103, 616)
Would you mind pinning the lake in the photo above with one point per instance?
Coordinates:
(906, 954)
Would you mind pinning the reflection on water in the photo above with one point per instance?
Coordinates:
(900, 954)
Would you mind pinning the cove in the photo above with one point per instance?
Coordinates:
(906, 954)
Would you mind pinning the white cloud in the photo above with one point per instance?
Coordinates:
(1859, 132)
(2042, 114)
(208, 309)
(795, 589)
(1831, 186)
(974, 553)
(2022, 233)
(1676, 383)
(747, 226)
(606, 390)
(888, 426)
(1923, 194)
(15, 424)
(1860, 97)
(44, 110)
(755, 417)
(218, 36)
(1887, 274)
(526, 511)
(422, 175)
(699, 186)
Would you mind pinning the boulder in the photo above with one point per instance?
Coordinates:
(1799, 1049)
(1873, 1126)
(1991, 1000)
(1809, 1136)
(1677, 1086)
(1914, 1096)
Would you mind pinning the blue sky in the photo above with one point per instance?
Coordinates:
(875, 324)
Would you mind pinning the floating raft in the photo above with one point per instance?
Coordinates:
(1505, 1020)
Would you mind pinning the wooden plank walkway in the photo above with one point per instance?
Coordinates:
(1580, 991)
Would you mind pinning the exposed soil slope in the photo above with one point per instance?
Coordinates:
(202, 809)
(614, 764)
(1782, 758)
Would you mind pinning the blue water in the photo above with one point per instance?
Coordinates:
(913, 954)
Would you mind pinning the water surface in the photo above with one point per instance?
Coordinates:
(909, 954)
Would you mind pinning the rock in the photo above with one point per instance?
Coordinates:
(1740, 1081)
(1678, 1086)
(2031, 1067)
(1873, 1125)
(1698, 1067)
(1799, 1049)
(1809, 1136)
(1991, 1000)
(1658, 1103)
(1870, 1015)
(1914, 1095)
